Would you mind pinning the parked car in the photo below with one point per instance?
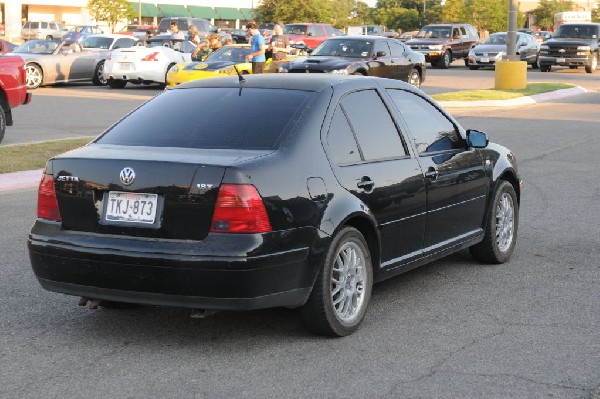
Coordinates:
(50, 61)
(6, 46)
(443, 43)
(13, 89)
(138, 31)
(42, 30)
(146, 65)
(78, 33)
(365, 55)
(573, 45)
(239, 36)
(494, 47)
(204, 26)
(310, 34)
(406, 36)
(295, 190)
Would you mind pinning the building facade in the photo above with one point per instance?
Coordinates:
(14, 13)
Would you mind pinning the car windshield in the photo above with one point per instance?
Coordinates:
(230, 119)
(577, 31)
(344, 48)
(295, 29)
(97, 42)
(235, 54)
(434, 32)
(77, 29)
(495, 39)
(176, 44)
(37, 47)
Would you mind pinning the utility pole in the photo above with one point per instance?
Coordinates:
(511, 36)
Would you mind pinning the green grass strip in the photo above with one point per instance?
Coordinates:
(15, 158)
(491, 94)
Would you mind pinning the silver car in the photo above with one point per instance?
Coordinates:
(494, 47)
(42, 30)
(49, 61)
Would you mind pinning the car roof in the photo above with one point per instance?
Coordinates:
(111, 36)
(307, 82)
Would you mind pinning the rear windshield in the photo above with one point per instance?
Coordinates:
(212, 118)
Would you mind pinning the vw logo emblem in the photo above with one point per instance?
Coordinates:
(127, 176)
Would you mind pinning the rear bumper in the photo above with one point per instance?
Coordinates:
(255, 274)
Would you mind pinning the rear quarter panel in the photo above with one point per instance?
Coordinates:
(12, 80)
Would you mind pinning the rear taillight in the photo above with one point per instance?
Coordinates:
(151, 57)
(239, 209)
(47, 203)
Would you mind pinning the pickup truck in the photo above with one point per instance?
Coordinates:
(13, 89)
(573, 45)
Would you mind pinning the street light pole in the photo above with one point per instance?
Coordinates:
(139, 12)
(511, 35)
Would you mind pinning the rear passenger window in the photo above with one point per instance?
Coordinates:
(341, 141)
(397, 48)
(373, 126)
(430, 129)
(381, 45)
(44, 25)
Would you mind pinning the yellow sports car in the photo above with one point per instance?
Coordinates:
(219, 63)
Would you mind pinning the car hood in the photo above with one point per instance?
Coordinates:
(569, 41)
(326, 63)
(489, 48)
(426, 41)
(207, 66)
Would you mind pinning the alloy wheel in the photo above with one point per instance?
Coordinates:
(505, 213)
(348, 278)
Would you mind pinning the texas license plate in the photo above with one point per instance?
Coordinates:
(131, 207)
(125, 66)
(483, 59)
(559, 60)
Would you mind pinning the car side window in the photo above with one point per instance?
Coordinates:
(44, 25)
(463, 31)
(365, 110)
(381, 45)
(397, 48)
(315, 30)
(430, 129)
(341, 140)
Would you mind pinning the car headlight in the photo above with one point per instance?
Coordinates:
(437, 47)
(338, 72)
(282, 69)
(227, 70)
(584, 48)
(174, 69)
(544, 47)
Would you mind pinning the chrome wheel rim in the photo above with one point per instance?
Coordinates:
(415, 79)
(99, 73)
(447, 59)
(34, 76)
(505, 222)
(594, 62)
(348, 282)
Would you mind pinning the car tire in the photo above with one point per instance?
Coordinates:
(116, 83)
(466, 62)
(2, 123)
(49, 37)
(341, 294)
(414, 78)
(98, 79)
(535, 64)
(573, 67)
(545, 68)
(593, 64)
(444, 63)
(501, 227)
(162, 86)
(35, 76)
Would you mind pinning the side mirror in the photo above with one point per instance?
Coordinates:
(380, 54)
(477, 139)
(522, 44)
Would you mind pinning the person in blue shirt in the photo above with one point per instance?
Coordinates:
(257, 48)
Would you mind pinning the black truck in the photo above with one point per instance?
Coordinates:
(573, 45)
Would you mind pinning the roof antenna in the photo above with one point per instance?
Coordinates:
(240, 78)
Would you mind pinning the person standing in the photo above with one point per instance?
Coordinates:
(280, 46)
(192, 35)
(175, 33)
(257, 48)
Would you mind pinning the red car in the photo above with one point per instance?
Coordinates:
(310, 34)
(13, 89)
(6, 47)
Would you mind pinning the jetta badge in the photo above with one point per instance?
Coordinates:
(127, 176)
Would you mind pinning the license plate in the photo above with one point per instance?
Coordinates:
(560, 60)
(124, 66)
(485, 59)
(131, 207)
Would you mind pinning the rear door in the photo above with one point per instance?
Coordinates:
(401, 64)
(457, 184)
(375, 166)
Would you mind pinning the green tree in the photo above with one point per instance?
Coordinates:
(487, 15)
(543, 15)
(111, 11)
(453, 11)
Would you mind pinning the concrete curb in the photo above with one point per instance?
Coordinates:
(515, 102)
(31, 178)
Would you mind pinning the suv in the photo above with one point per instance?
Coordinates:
(204, 26)
(42, 30)
(443, 43)
(573, 45)
(310, 34)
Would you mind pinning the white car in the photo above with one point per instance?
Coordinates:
(148, 64)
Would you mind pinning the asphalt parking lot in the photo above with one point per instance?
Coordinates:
(451, 329)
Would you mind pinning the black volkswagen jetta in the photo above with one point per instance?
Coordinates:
(363, 55)
(298, 191)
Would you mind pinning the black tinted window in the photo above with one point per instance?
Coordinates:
(342, 143)
(431, 130)
(397, 48)
(373, 126)
(211, 118)
(381, 45)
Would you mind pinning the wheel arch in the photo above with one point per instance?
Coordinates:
(511, 177)
(369, 232)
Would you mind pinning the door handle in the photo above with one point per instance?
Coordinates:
(365, 183)
(432, 174)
